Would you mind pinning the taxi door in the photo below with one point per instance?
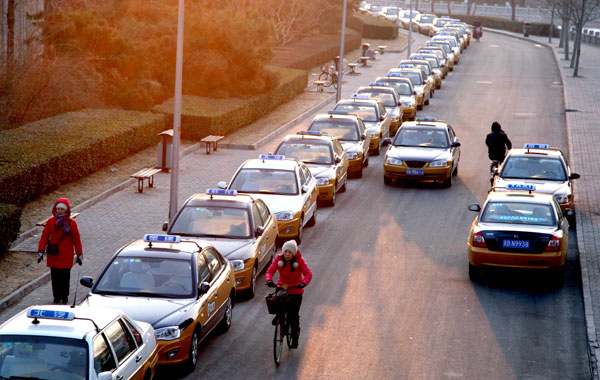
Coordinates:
(311, 195)
(385, 124)
(124, 347)
(265, 242)
(220, 285)
(203, 276)
(455, 151)
(341, 168)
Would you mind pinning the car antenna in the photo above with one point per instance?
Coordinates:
(76, 288)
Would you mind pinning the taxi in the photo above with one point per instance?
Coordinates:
(404, 88)
(424, 150)
(447, 50)
(434, 62)
(456, 34)
(388, 96)
(544, 167)
(453, 44)
(420, 83)
(425, 21)
(351, 132)
(440, 54)
(185, 291)
(240, 227)
(324, 156)
(518, 229)
(425, 66)
(285, 185)
(405, 19)
(374, 116)
(79, 343)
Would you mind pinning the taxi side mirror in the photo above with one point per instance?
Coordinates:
(222, 185)
(204, 288)
(338, 160)
(363, 137)
(105, 375)
(259, 231)
(474, 207)
(574, 176)
(387, 141)
(304, 189)
(414, 93)
(165, 226)
(455, 144)
(381, 118)
(86, 281)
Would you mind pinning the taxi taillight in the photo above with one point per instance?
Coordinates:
(478, 240)
(553, 244)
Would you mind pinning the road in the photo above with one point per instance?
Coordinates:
(391, 297)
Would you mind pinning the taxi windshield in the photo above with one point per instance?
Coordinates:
(426, 19)
(421, 137)
(385, 97)
(414, 77)
(309, 153)
(402, 88)
(147, 277)
(43, 357)
(364, 111)
(542, 168)
(210, 221)
(333, 128)
(441, 22)
(391, 11)
(265, 181)
(518, 213)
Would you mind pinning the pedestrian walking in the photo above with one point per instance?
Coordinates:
(59, 241)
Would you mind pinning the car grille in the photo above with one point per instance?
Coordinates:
(415, 164)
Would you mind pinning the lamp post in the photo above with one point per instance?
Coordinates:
(340, 68)
(410, 27)
(176, 116)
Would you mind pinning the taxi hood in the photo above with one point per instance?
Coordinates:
(231, 249)
(351, 146)
(321, 170)
(277, 203)
(419, 154)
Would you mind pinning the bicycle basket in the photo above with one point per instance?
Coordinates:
(276, 303)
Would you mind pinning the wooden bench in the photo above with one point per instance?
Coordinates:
(363, 60)
(147, 173)
(320, 84)
(352, 67)
(382, 48)
(208, 140)
(43, 222)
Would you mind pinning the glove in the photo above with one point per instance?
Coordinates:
(80, 259)
(40, 256)
(270, 284)
(300, 285)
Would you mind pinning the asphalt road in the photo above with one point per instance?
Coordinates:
(390, 296)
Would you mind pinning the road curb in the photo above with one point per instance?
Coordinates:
(24, 290)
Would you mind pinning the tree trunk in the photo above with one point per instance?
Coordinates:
(417, 5)
(449, 7)
(10, 38)
(513, 7)
(577, 51)
(566, 29)
(575, 45)
(551, 26)
(432, 6)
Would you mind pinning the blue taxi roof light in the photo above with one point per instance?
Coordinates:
(311, 133)
(155, 238)
(271, 157)
(537, 146)
(406, 65)
(221, 192)
(520, 186)
(426, 119)
(51, 314)
(360, 96)
(395, 75)
(376, 84)
(335, 112)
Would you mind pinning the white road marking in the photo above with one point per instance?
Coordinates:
(484, 82)
(524, 115)
(538, 45)
(494, 46)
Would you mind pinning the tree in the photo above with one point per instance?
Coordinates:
(583, 12)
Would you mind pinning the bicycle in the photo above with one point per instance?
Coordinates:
(277, 303)
(329, 76)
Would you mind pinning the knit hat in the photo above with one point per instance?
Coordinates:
(61, 205)
(291, 246)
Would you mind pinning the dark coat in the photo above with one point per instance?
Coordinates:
(497, 143)
(68, 243)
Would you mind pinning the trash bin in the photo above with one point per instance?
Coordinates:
(336, 62)
(526, 29)
(165, 148)
(364, 49)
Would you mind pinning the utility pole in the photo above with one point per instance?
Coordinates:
(340, 68)
(410, 27)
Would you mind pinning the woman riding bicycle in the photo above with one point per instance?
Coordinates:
(294, 275)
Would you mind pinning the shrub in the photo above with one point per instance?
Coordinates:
(41, 156)
(373, 27)
(10, 223)
(537, 29)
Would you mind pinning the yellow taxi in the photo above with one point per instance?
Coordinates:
(518, 229)
(444, 45)
(436, 68)
(407, 94)
(424, 65)
(324, 156)
(183, 290)
(440, 54)
(388, 96)
(544, 167)
(351, 132)
(456, 48)
(374, 116)
(286, 186)
(423, 150)
(425, 21)
(419, 80)
(240, 227)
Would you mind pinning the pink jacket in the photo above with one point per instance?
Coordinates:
(287, 276)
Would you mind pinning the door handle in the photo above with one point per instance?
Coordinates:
(216, 295)
(120, 377)
(138, 358)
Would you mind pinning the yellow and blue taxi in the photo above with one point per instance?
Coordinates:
(240, 227)
(374, 116)
(425, 66)
(542, 166)
(518, 229)
(451, 39)
(433, 60)
(408, 96)
(324, 156)
(184, 290)
(425, 21)
(286, 186)
(419, 80)
(388, 96)
(351, 132)
(440, 54)
(79, 343)
(444, 45)
(423, 150)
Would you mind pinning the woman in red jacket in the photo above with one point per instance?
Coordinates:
(59, 240)
(294, 275)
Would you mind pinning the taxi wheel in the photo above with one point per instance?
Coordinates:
(252, 289)
(475, 273)
(300, 228)
(366, 162)
(427, 102)
(447, 182)
(387, 180)
(333, 198)
(377, 150)
(359, 172)
(455, 171)
(313, 220)
(419, 107)
(345, 185)
(225, 323)
(193, 352)
(439, 86)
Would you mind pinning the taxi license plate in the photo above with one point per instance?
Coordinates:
(414, 171)
(510, 243)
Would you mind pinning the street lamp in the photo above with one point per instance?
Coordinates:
(410, 27)
(176, 115)
(340, 68)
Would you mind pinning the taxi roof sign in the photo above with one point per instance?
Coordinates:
(407, 66)
(311, 133)
(336, 112)
(520, 186)
(376, 84)
(426, 119)
(395, 75)
(271, 157)
(360, 96)
(155, 238)
(537, 146)
(51, 314)
(221, 192)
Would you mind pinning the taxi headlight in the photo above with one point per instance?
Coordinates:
(323, 181)
(284, 215)
(352, 156)
(408, 104)
(563, 198)
(168, 333)
(393, 161)
(372, 134)
(438, 164)
(238, 265)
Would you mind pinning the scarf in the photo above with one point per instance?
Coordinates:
(60, 224)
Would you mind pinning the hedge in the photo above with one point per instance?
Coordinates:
(536, 28)
(201, 117)
(312, 51)
(39, 157)
(10, 223)
(373, 27)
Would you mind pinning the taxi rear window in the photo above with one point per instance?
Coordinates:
(364, 111)
(402, 88)
(542, 168)
(386, 98)
(340, 130)
(307, 153)
(415, 78)
(266, 181)
(518, 213)
(212, 221)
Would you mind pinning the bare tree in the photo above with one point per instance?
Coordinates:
(449, 7)
(583, 12)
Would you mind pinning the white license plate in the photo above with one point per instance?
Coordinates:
(510, 243)
(414, 171)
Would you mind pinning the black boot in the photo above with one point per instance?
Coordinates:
(294, 341)
(274, 321)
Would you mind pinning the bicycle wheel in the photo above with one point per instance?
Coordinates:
(278, 343)
(288, 337)
(325, 77)
(335, 83)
